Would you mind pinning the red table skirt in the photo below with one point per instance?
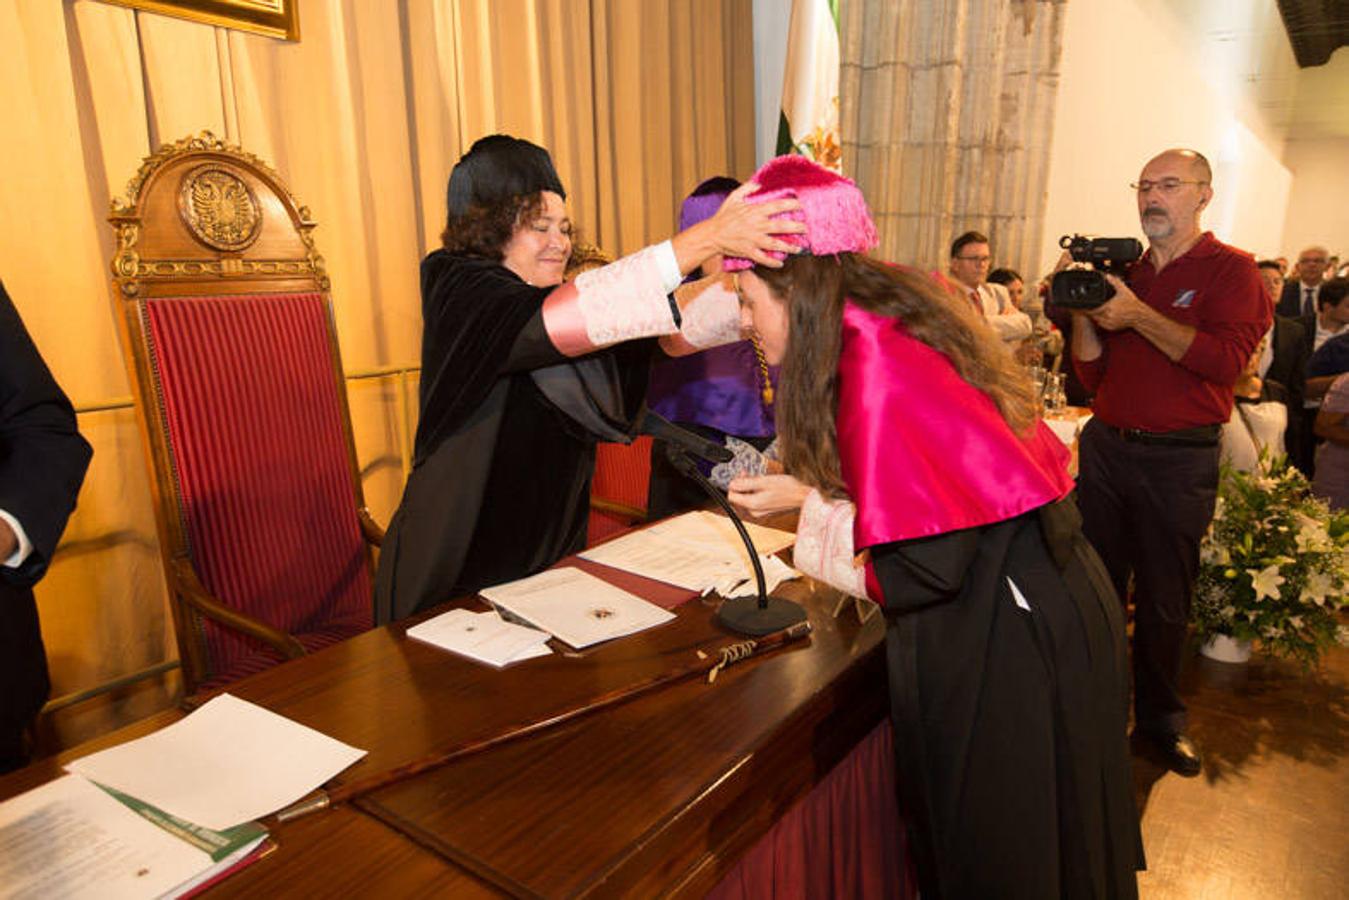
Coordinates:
(844, 839)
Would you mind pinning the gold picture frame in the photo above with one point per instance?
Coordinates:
(274, 18)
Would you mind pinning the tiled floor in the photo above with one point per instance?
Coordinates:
(1269, 817)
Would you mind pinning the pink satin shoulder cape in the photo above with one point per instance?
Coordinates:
(924, 452)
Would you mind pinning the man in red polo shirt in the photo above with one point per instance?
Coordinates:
(1161, 358)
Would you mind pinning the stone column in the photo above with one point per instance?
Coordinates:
(947, 117)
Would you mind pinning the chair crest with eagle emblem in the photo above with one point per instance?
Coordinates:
(226, 321)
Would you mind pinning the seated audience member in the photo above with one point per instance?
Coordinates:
(1332, 459)
(522, 375)
(1330, 357)
(1005, 642)
(726, 390)
(969, 269)
(1045, 339)
(42, 464)
(1256, 425)
(1300, 293)
(1282, 368)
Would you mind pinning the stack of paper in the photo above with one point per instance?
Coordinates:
(229, 762)
(698, 551)
(575, 606)
(163, 814)
(71, 838)
(484, 637)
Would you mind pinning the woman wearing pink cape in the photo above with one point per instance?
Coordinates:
(931, 486)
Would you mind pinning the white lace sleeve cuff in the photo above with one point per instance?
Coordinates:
(710, 310)
(624, 300)
(824, 544)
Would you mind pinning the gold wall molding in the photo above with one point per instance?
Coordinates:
(273, 18)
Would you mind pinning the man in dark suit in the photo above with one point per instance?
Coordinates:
(1299, 294)
(42, 464)
(1283, 364)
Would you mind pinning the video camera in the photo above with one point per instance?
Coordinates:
(1080, 288)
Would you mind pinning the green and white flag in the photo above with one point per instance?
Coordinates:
(809, 123)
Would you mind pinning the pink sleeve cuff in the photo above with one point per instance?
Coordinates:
(824, 545)
(619, 302)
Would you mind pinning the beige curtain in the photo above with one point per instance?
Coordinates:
(364, 118)
(947, 120)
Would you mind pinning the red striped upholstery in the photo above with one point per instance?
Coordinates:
(622, 475)
(254, 422)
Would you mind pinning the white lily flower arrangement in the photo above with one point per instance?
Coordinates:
(1274, 566)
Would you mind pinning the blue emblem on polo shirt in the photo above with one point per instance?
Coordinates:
(1184, 299)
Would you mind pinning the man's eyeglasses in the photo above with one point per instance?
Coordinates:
(977, 259)
(1166, 185)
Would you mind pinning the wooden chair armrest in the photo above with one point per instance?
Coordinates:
(189, 587)
(370, 529)
(632, 513)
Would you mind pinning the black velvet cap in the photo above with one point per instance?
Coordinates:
(496, 168)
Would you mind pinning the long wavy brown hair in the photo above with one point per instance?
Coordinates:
(814, 290)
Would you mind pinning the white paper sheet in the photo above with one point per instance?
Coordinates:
(70, 839)
(575, 606)
(695, 551)
(229, 762)
(775, 572)
(481, 636)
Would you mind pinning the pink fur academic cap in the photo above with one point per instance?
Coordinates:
(836, 215)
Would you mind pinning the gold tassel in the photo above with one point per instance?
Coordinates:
(766, 391)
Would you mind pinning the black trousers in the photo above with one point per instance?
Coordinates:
(1145, 507)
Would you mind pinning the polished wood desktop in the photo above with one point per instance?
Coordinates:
(660, 794)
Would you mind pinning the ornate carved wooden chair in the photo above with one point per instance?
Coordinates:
(227, 325)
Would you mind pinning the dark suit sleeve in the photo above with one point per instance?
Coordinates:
(1290, 304)
(42, 456)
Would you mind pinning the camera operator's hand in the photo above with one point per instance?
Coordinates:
(1124, 310)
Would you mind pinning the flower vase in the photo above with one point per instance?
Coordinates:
(1225, 648)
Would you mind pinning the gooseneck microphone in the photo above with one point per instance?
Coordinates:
(744, 615)
(663, 429)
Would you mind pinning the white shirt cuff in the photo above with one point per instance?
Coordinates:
(25, 546)
(668, 266)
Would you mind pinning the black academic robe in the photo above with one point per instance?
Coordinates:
(505, 445)
(1009, 723)
(42, 464)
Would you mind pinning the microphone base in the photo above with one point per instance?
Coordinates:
(743, 615)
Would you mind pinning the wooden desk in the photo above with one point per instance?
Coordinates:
(660, 794)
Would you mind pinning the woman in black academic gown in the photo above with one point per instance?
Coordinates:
(522, 375)
(916, 443)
